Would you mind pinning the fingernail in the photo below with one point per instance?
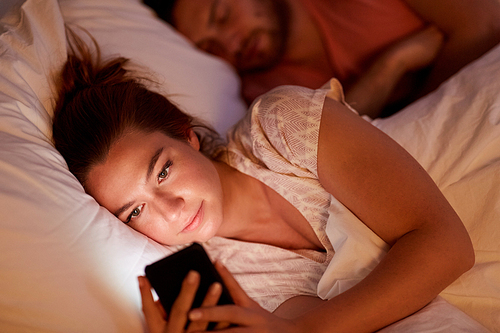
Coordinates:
(195, 315)
(141, 281)
(192, 276)
(215, 288)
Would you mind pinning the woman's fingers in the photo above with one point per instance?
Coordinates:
(178, 314)
(247, 319)
(155, 319)
(211, 299)
(231, 314)
(237, 293)
(244, 313)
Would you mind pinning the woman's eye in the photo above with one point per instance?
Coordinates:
(164, 171)
(135, 213)
(163, 174)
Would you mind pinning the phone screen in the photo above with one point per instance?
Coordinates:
(167, 274)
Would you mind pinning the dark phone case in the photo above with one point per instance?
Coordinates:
(167, 274)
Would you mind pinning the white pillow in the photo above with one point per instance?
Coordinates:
(67, 264)
(200, 84)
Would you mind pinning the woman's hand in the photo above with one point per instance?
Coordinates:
(246, 313)
(155, 314)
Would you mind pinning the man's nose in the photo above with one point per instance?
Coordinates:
(231, 41)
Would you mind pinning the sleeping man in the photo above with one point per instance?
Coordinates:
(386, 53)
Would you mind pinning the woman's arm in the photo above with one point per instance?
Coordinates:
(389, 191)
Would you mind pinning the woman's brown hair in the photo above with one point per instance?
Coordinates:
(99, 100)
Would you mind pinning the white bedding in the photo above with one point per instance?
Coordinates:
(69, 265)
(455, 134)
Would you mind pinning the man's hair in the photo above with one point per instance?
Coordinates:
(163, 9)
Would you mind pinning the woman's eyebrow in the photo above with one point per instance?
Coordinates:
(123, 208)
(151, 167)
(152, 163)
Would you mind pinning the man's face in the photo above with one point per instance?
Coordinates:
(249, 34)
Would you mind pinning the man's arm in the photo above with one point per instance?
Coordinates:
(468, 29)
(471, 28)
(370, 94)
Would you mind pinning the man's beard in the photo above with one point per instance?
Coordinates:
(280, 12)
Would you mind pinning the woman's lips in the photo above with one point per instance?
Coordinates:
(196, 221)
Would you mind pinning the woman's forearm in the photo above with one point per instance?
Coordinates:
(418, 266)
(383, 186)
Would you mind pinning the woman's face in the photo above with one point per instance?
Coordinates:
(162, 187)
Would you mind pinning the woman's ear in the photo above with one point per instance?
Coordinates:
(193, 140)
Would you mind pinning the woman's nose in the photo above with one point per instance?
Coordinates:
(169, 206)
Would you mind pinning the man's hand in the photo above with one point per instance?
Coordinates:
(418, 50)
(379, 85)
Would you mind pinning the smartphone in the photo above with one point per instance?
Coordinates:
(167, 274)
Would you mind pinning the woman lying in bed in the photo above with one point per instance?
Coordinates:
(142, 158)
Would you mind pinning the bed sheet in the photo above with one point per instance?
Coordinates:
(69, 265)
(455, 135)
